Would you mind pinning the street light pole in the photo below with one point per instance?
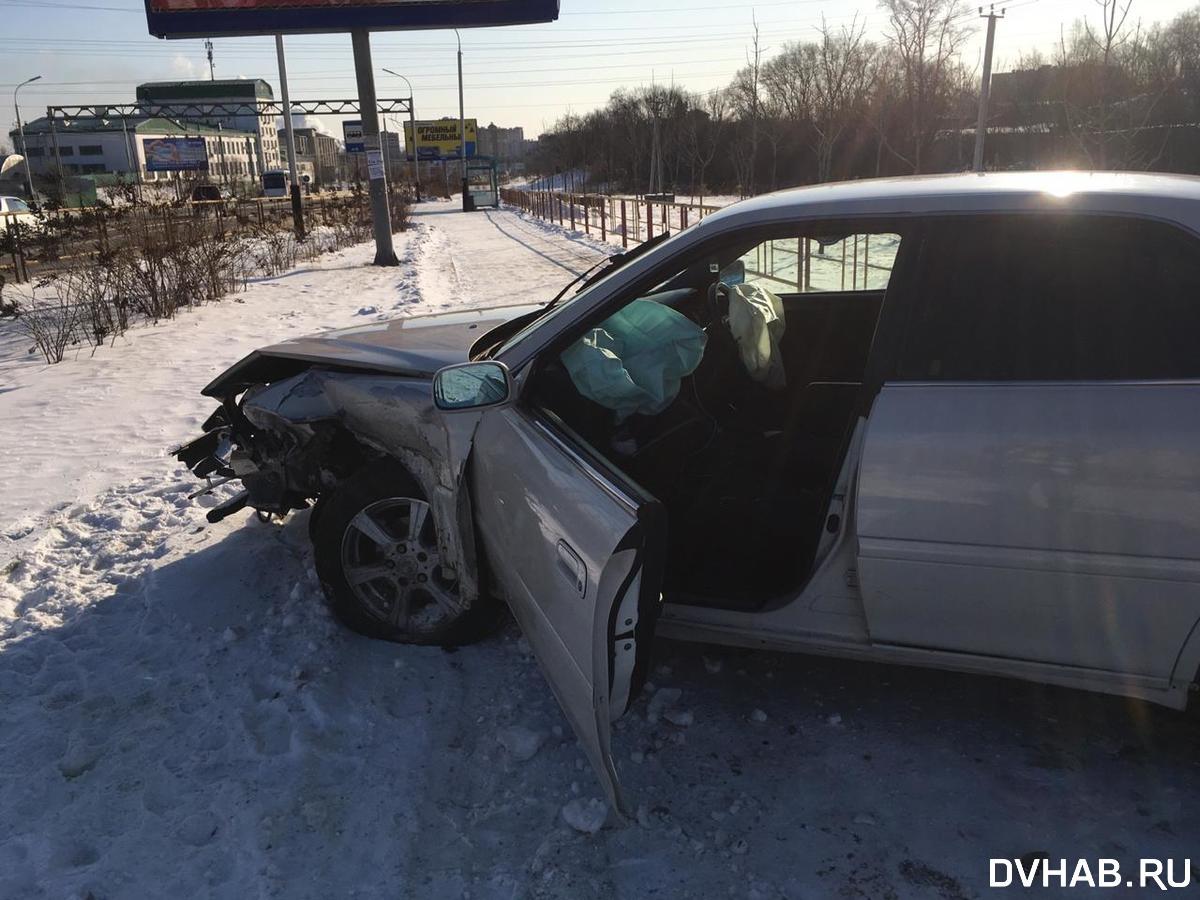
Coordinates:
(412, 122)
(21, 132)
(462, 130)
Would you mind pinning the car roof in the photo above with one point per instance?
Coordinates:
(1171, 197)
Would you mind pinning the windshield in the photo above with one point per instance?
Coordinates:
(564, 301)
(273, 180)
(18, 206)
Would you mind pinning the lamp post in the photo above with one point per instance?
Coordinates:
(462, 130)
(21, 132)
(412, 122)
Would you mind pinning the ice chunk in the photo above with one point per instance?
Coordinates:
(662, 700)
(585, 816)
(681, 717)
(520, 742)
(758, 715)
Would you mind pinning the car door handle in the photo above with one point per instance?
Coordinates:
(572, 568)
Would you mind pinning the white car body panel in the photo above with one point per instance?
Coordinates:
(1067, 508)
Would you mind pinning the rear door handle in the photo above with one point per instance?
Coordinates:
(572, 568)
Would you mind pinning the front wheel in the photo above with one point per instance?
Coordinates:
(379, 561)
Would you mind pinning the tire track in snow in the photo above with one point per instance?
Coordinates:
(557, 249)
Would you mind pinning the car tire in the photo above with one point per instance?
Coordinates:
(376, 551)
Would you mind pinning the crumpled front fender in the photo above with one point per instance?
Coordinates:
(395, 416)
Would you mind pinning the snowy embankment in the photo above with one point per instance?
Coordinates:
(179, 716)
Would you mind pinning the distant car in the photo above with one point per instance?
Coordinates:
(206, 193)
(14, 209)
(949, 421)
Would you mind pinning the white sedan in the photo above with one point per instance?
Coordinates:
(16, 210)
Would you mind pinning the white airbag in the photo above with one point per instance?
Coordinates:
(757, 325)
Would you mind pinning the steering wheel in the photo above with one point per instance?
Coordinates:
(718, 304)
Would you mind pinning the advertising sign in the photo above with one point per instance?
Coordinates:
(176, 154)
(439, 139)
(353, 136)
(225, 18)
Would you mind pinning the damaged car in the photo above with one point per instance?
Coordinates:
(950, 421)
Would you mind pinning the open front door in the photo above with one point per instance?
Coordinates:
(578, 554)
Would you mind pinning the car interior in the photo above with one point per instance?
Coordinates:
(745, 465)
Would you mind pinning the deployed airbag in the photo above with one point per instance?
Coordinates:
(757, 324)
(635, 360)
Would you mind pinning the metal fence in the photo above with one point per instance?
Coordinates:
(626, 220)
(856, 262)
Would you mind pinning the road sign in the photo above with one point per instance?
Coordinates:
(439, 139)
(225, 18)
(352, 133)
(176, 154)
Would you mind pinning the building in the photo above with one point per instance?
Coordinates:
(393, 156)
(316, 154)
(505, 145)
(98, 146)
(231, 91)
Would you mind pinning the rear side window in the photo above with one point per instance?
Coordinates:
(1052, 298)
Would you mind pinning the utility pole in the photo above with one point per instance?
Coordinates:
(368, 107)
(467, 205)
(297, 205)
(212, 72)
(221, 147)
(986, 86)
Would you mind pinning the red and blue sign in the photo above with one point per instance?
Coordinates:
(226, 18)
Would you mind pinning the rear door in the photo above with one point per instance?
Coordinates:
(577, 551)
(1030, 485)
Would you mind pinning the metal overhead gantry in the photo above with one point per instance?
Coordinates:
(66, 115)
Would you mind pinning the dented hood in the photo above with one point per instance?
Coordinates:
(416, 346)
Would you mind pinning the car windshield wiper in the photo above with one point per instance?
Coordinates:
(610, 264)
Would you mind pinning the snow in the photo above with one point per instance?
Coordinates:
(181, 717)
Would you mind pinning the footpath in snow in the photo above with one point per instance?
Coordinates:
(180, 717)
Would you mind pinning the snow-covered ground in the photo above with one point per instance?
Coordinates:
(180, 717)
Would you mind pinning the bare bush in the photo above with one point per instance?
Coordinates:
(51, 325)
(146, 263)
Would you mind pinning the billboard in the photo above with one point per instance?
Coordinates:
(176, 154)
(226, 18)
(353, 136)
(439, 139)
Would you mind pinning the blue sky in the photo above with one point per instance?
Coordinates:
(97, 50)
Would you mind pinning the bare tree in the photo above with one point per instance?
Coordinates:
(702, 132)
(1112, 82)
(745, 95)
(926, 36)
(824, 85)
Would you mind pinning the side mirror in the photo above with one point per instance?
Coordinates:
(734, 273)
(472, 385)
